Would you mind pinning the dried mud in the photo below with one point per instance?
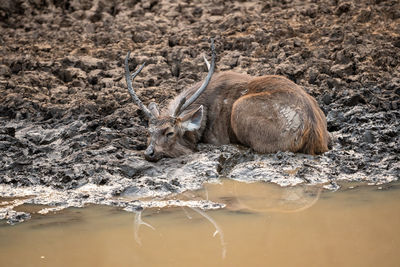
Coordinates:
(70, 134)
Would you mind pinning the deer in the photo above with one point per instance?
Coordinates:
(267, 114)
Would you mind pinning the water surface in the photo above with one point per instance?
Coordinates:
(262, 225)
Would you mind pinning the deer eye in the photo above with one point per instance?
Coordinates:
(169, 134)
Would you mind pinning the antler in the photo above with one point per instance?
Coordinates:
(178, 108)
(183, 105)
(129, 78)
(207, 63)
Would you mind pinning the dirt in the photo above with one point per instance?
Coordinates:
(71, 135)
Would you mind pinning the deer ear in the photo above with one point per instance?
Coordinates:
(192, 120)
(153, 109)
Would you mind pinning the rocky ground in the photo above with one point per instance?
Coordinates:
(70, 133)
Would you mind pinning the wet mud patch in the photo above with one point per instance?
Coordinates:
(70, 134)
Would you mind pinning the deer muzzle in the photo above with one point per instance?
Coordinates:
(150, 154)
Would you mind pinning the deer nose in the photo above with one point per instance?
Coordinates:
(149, 152)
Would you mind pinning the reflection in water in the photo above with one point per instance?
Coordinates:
(266, 198)
(255, 197)
(136, 225)
(217, 230)
(258, 196)
(262, 225)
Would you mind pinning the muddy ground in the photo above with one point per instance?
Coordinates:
(70, 133)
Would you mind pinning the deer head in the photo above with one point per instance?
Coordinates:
(175, 133)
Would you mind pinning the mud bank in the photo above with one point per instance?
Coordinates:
(70, 134)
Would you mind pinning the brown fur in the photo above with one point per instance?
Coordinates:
(268, 113)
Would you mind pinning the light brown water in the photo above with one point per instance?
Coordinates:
(262, 225)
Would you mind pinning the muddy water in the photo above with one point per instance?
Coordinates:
(261, 225)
